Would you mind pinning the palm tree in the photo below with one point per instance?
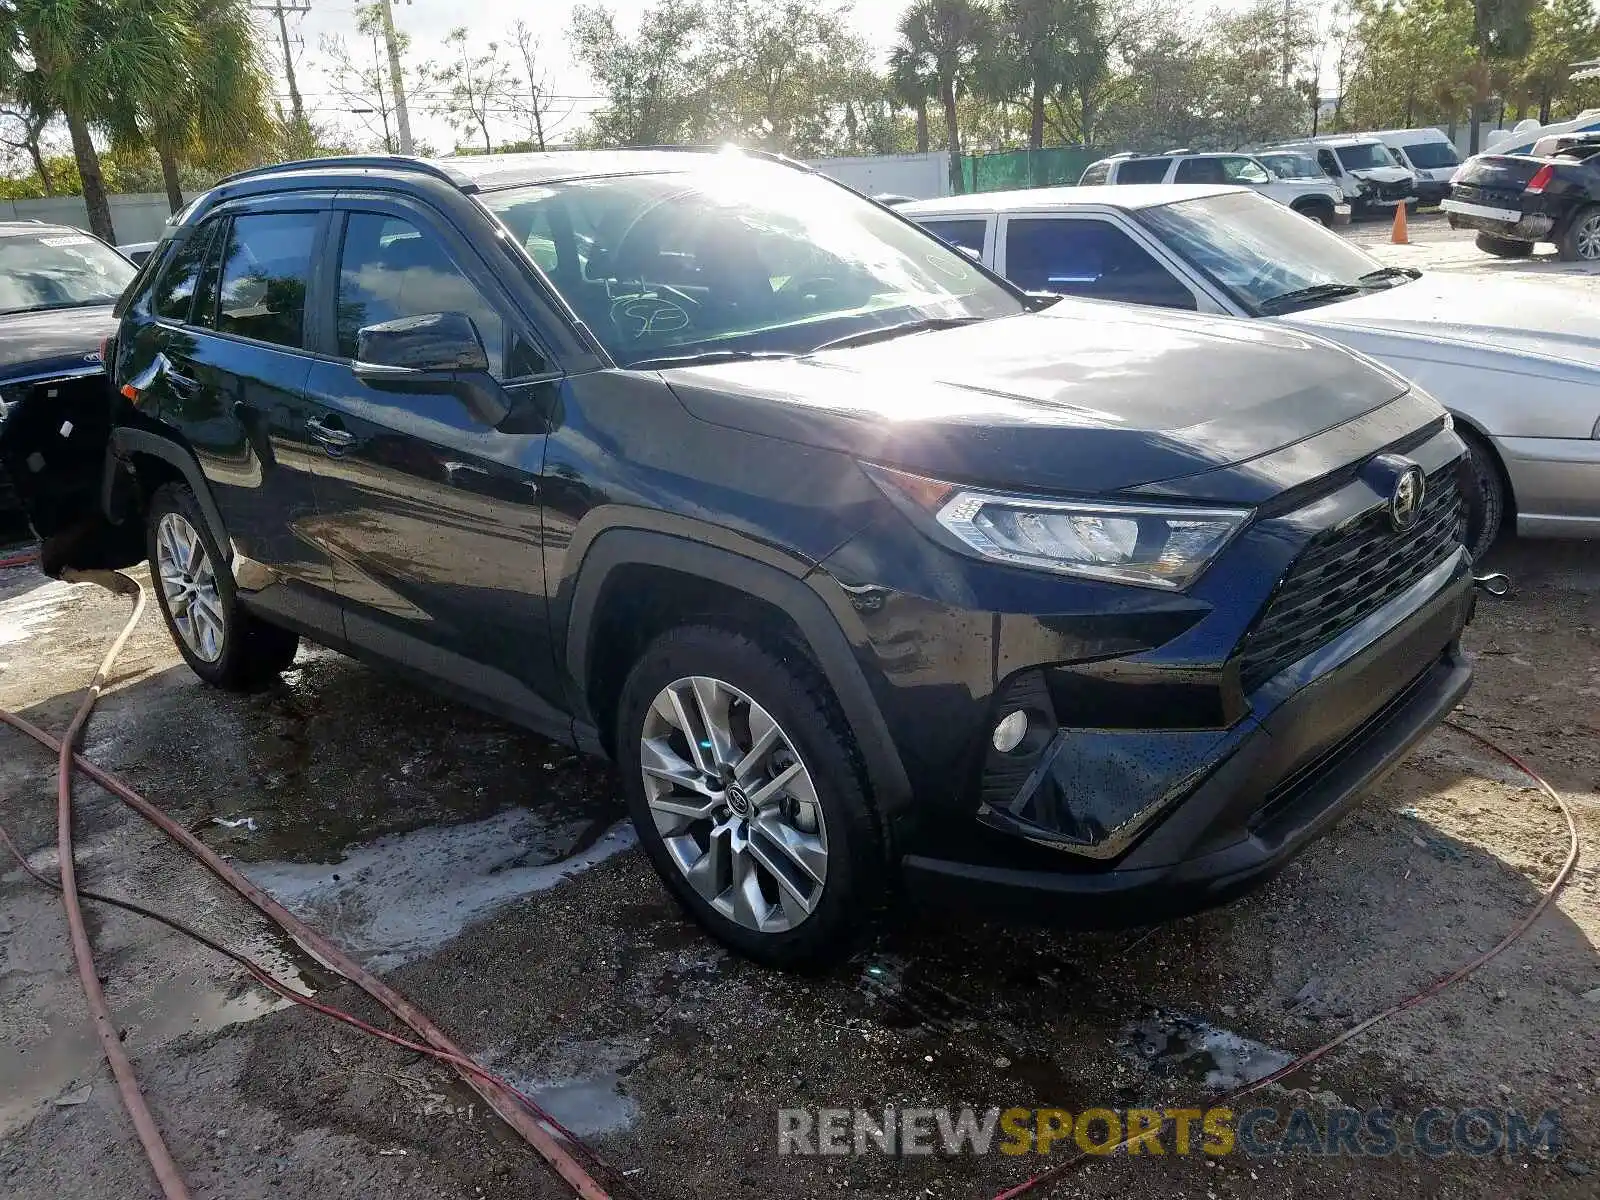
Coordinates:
(1036, 43)
(88, 60)
(214, 102)
(943, 40)
(910, 87)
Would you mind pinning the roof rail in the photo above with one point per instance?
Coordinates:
(392, 162)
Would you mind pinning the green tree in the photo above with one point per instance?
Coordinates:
(1564, 32)
(362, 79)
(947, 40)
(475, 85)
(91, 61)
(654, 81)
(785, 74)
(213, 107)
(22, 129)
(912, 85)
(1040, 49)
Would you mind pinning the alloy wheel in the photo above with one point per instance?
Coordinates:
(1587, 238)
(734, 804)
(189, 584)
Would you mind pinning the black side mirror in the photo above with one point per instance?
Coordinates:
(445, 341)
(436, 352)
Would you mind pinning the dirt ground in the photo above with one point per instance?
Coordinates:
(489, 875)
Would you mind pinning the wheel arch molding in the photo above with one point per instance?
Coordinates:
(127, 441)
(743, 582)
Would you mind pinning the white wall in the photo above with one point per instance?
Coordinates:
(138, 217)
(920, 176)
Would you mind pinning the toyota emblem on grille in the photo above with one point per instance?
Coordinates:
(1405, 505)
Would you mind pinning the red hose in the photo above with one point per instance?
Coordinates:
(1427, 993)
(166, 1171)
(514, 1108)
(19, 560)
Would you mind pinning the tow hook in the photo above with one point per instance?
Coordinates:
(1497, 584)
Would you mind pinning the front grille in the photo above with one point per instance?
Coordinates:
(1394, 191)
(1347, 573)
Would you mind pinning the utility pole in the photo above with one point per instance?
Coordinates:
(402, 118)
(280, 10)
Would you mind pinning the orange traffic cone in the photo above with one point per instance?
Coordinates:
(1399, 236)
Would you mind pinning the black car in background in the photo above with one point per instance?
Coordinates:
(866, 568)
(57, 286)
(1516, 200)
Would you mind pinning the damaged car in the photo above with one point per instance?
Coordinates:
(57, 288)
(869, 571)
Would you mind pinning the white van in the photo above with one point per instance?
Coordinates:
(1429, 153)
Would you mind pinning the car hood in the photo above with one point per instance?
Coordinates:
(1083, 397)
(1514, 325)
(62, 341)
(1383, 174)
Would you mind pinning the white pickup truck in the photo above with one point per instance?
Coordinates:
(1319, 198)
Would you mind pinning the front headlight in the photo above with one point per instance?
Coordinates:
(1164, 546)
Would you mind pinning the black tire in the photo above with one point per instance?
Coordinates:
(1486, 494)
(1580, 240)
(1502, 247)
(253, 653)
(1318, 211)
(801, 703)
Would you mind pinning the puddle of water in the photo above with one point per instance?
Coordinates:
(1191, 1049)
(588, 1107)
(21, 615)
(580, 1083)
(47, 1045)
(395, 899)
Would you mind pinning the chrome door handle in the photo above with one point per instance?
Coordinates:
(333, 438)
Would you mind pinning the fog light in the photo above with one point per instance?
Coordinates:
(1008, 734)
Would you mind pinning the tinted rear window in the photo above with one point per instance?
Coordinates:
(1143, 170)
(1098, 173)
(266, 266)
(174, 292)
(965, 234)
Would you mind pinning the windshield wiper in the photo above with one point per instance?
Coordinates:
(1300, 297)
(886, 332)
(1383, 273)
(706, 358)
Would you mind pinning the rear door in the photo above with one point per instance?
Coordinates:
(433, 518)
(1091, 256)
(231, 311)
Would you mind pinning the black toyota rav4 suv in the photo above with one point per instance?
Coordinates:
(868, 570)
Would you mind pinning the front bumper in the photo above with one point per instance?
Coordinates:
(1341, 214)
(1271, 785)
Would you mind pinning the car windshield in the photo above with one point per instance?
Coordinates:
(745, 258)
(1363, 156)
(59, 268)
(1292, 166)
(1429, 155)
(1270, 258)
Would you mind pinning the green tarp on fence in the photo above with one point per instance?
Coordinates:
(1024, 169)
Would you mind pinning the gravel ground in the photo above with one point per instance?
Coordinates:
(489, 876)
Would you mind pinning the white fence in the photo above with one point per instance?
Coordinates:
(138, 217)
(920, 176)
